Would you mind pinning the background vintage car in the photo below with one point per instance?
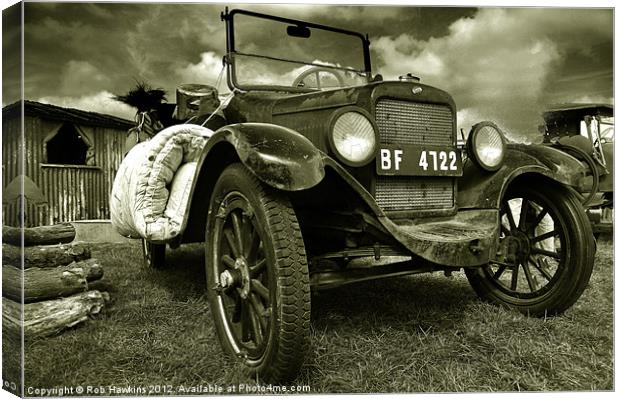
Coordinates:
(586, 131)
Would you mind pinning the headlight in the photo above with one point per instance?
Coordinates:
(486, 145)
(353, 138)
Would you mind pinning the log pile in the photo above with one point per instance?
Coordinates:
(59, 283)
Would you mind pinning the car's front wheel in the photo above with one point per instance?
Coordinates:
(545, 255)
(257, 276)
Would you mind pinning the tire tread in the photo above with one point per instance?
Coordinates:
(578, 280)
(291, 273)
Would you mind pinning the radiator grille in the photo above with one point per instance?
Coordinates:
(403, 122)
(414, 193)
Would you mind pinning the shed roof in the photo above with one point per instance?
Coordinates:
(78, 116)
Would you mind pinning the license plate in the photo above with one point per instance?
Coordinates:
(414, 160)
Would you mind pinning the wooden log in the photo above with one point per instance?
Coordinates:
(102, 284)
(49, 283)
(51, 317)
(41, 235)
(45, 256)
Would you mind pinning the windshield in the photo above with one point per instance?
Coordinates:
(292, 54)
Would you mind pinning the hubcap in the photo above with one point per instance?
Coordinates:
(244, 269)
(238, 278)
(521, 246)
(227, 280)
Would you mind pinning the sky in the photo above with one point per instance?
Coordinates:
(500, 64)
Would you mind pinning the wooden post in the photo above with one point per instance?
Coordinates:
(42, 235)
(45, 256)
(51, 317)
(49, 272)
(48, 283)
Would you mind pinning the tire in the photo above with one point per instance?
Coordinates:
(154, 255)
(257, 276)
(538, 270)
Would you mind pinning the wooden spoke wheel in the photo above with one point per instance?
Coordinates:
(257, 276)
(545, 255)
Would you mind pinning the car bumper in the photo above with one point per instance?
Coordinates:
(468, 238)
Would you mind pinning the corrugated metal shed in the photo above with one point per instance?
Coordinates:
(72, 191)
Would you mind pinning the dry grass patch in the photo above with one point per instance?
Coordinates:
(423, 333)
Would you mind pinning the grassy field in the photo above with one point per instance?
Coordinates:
(425, 333)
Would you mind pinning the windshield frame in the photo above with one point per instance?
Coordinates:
(229, 58)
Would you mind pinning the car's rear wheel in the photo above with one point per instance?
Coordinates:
(545, 255)
(153, 255)
(257, 276)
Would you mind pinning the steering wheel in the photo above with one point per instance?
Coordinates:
(299, 81)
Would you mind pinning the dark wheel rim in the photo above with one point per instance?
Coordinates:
(242, 278)
(533, 248)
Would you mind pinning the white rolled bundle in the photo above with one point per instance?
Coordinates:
(150, 194)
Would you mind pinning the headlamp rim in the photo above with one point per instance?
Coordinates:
(330, 135)
(471, 145)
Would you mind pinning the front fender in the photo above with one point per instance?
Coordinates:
(278, 156)
(481, 189)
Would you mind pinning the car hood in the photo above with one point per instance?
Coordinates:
(264, 106)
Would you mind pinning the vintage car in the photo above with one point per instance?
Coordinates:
(586, 131)
(324, 172)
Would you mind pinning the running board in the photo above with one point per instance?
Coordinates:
(337, 278)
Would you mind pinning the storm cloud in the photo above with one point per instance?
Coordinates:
(500, 64)
(506, 64)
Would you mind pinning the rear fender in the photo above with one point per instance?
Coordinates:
(481, 189)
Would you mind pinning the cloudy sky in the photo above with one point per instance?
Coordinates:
(502, 64)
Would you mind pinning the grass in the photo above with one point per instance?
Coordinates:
(424, 333)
